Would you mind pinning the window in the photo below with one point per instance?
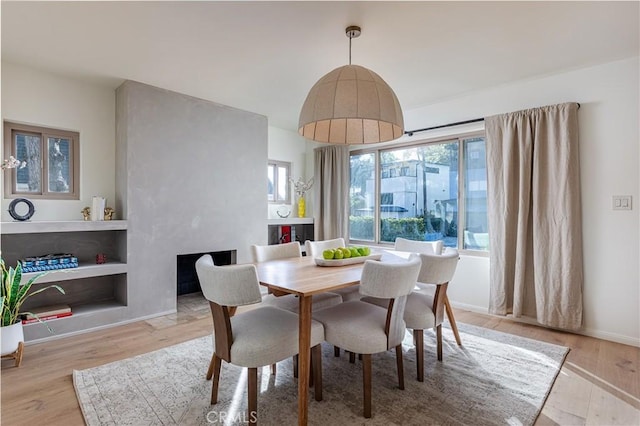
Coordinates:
(51, 158)
(278, 189)
(441, 188)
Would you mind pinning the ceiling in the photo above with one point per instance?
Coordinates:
(265, 56)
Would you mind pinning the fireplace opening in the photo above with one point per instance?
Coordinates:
(187, 278)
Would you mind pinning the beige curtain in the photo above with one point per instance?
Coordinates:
(331, 192)
(535, 223)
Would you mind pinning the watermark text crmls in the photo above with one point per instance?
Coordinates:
(222, 417)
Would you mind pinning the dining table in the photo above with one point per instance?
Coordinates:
(302, 277)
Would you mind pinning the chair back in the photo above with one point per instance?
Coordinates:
(413, 246)
(276, 251)
(231, 285)
(438, 269)
(393, 281)
(315, 248)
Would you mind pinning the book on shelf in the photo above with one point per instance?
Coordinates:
(47, 311)
(46, 317)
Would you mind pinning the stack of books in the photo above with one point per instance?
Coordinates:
(49, 262)
(46, 313)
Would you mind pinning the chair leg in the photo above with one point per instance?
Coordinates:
(18, 354)
(359, 357)
(217, 363)
(273, 369)
(295, 366)
(439, 341)
(418, 336)
(366, 381)
(311, 368)
(316, 367)
(452, 320)
(400, 366)
(336, 351)
(210, 370)
(352, 357)
(253, 395)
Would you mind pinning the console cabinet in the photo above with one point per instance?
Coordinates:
(97, 293)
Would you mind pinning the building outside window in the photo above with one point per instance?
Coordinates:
(440, 193)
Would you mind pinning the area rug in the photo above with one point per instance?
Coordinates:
(493, 379)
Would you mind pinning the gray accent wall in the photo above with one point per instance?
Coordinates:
(190, 179)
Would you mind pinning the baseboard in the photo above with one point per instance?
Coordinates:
(612, 337)
(101, 327)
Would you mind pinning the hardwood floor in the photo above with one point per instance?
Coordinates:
(598, 385)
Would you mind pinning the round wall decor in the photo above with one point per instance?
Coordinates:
(17, 212)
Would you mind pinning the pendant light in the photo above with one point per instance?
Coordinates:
(351, 105)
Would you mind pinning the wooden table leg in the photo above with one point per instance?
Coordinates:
(452, 320)
(304, 362)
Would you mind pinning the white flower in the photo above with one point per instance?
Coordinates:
(301, 187)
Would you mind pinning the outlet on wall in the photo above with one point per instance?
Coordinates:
(622, 202)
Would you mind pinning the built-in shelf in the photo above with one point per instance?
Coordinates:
(29, 227)
(97, 293)
(82, 271)
(291, 221)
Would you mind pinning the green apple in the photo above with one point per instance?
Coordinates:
(355, 252)
(328, 254)
(365, 251)
(338, 254)
(346, 253)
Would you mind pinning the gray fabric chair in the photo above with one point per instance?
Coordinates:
(315, 249)
(250, 339)
(425, 307)
(431, 247)
(365, 328)
(289, 301)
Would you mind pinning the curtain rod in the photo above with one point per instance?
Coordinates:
(457, 123)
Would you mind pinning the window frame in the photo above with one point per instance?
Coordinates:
(377, 151)
(276, 164)
(10, 183)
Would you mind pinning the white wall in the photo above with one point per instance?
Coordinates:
(285, 145)
(610, 159)
(34, 97)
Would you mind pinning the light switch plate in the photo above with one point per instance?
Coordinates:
(622, 202)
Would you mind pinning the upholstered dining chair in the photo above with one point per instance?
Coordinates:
(367, 329)
(290, 302)
(431, 247)
(249, 339)
(424, 309)
(315, 249)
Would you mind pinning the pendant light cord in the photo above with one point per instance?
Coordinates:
(350, 38)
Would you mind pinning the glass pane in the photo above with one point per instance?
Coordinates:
(59, 164)
(419, 189)
(28, 149)
(283, 182)
(476, 236)
(362, 197)
(271, 182)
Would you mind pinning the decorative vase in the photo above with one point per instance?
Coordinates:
(11, 336)
(301, 207)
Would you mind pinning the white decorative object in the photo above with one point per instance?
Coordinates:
(97, 208)
(11, 336)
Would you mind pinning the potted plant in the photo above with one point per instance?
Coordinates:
(12, 296)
